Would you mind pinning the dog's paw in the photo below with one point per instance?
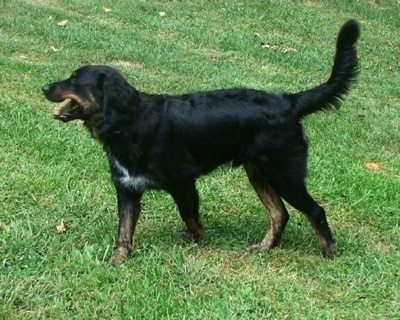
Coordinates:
(328, 250)
(119, 256)
(259, 247)
(186, 235)
(190, 236)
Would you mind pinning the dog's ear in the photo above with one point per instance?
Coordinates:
(116, 94)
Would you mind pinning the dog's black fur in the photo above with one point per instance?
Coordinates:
(167, 142)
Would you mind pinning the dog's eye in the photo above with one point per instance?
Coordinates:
(73, 81)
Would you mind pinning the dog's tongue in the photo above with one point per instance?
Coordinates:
(61, 108)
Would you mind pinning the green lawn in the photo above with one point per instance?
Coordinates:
(53, 172)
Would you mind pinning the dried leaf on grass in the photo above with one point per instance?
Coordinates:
(374, 166)
(62, 23)
(61, 227)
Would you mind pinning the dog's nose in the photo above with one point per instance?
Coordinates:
(46, 88)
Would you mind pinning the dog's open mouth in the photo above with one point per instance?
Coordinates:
(67, 110)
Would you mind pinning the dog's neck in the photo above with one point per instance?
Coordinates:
(95, 124)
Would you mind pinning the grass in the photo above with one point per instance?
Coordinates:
(53, 172)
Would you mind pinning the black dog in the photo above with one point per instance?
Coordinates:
(167, 142)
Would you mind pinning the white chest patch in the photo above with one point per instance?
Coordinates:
(129, 181)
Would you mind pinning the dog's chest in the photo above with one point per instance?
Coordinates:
(129, 181)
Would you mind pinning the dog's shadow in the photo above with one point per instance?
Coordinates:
(231, 233)
(238, 235)
(223, 230)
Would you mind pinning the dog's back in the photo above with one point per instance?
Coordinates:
(238, 124)
(322, 97)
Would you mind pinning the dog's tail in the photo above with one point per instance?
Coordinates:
(344, 72)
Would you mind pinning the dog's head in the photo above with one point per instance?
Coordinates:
(92, 93)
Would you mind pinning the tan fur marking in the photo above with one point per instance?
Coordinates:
(327, 249)
(272, 203)
(195, 228)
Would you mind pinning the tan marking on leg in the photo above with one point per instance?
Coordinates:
(273, 205)
(328, 249)
(194, 229)
(124, 242)
(119, 256)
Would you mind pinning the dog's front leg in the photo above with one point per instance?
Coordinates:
(187, 199)
(128, 213)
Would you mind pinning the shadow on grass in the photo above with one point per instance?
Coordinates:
(228, 234)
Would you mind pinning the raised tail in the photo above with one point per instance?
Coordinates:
(344, 72)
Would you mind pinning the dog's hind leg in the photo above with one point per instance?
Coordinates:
(291, 188)
(277, 213)
(187, 199)
(128, 212)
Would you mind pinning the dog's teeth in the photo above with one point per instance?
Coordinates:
(66, 104)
